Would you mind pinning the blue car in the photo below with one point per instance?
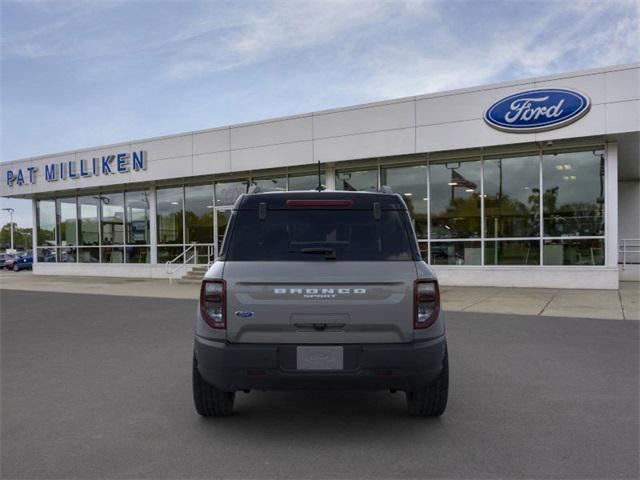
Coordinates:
(23, 262)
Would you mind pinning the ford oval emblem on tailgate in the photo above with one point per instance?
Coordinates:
(244, 314)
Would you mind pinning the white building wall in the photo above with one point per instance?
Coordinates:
(429, 123)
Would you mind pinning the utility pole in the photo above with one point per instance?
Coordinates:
(11, 212)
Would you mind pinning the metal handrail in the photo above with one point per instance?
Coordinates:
(628, 245)
(185, 261)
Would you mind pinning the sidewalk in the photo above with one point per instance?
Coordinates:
(623, 304)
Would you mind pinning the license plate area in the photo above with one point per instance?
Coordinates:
(320, 358)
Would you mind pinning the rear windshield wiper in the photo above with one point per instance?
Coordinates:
(329, 253)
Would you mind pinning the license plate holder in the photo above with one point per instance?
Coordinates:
(320, 358)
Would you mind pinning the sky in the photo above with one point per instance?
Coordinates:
(87, 73)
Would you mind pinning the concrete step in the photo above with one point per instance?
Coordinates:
(200, 268)
(189, 281)
(197, 275)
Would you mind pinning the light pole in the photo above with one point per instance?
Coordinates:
(11, 212)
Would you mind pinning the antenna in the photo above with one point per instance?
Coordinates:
(319, 187)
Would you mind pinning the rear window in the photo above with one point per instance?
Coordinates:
(319, 235)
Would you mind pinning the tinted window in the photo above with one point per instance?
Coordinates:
(316, 235)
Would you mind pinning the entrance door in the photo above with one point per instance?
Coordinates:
(221, 220)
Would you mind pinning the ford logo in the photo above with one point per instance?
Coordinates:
(537, 110)
(244, 314)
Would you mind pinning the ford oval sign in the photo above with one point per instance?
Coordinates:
(537, 110)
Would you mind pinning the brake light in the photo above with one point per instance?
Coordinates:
(213, 303)
(426, 303)
(320, 203)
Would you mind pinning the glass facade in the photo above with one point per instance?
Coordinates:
(534, 208)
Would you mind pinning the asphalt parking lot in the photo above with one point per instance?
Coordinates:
(98, 386)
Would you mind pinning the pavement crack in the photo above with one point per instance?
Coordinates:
(550, 300)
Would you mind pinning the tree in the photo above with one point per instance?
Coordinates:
(21, 237)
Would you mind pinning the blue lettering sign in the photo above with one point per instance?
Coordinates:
(69, 169)
(106, 164)
(83, 170)
(537, 110)
(123, 166)
(51, 173)
(139, 160)
(32, 174)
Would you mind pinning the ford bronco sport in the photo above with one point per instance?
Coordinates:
(320, 290)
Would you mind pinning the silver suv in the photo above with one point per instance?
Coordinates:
(320, 290)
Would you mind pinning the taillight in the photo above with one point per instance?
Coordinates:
(426, 303)
(213, 303)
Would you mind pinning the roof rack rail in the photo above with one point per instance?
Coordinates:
(385, 189)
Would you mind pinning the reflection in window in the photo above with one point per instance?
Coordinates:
(411, 183)
(67, 255)
(137, 218)
(47, 254)
(305, 182)
(573, 198)
(513, 252)
(137, 254)
(198, 213)
(112, 205)
(67, 212)
(455, 200)
(89, 255)
(512, 197)
(88, 221)
(168, 253)
(366, 180)
(228, 192)
(169, 207)
(275, 184)
(574, 252)
(112, 255)
(456, 253)
(46, 217)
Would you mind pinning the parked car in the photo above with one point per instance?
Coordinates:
(9, 258)
(320, 290)
(23, 262)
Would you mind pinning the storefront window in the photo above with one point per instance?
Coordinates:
(275, 184)
(455, 200)
(305, 182)
(112, 218)
(574, 252)
(411, 183)
(89, 255)
(366, 180)
(137, 254)
(228, 192)
(112, 254)
(169, 207)
(512, 252)
(88, 226)
(573, 199)
(137, 218)
(512, 197)
(456, 253)
(46, 216)
(67, 222)
(198, 213)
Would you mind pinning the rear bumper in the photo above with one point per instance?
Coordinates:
(405, 366)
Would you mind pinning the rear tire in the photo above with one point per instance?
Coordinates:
(208, 400)
(432, 401)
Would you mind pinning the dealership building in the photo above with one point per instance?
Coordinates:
(529, 183)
